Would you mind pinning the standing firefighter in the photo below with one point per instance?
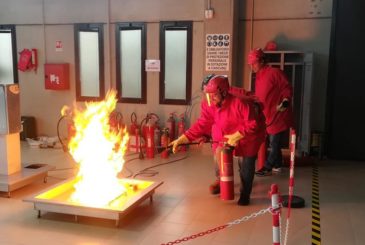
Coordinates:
(238, 121)
(275, 93)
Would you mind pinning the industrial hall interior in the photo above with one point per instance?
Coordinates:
(217, 122)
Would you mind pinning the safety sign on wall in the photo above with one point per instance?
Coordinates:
(217, 52)
(59, 46)
(152, 65)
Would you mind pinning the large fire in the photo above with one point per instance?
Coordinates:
(99, 151)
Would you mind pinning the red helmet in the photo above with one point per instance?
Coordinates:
(271, 46)
(255, 55)
(217, 84)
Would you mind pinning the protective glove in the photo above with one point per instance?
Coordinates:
(181, 140)
(232, 139)
(283, 105)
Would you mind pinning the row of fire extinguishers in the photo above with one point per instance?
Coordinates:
(148, 136)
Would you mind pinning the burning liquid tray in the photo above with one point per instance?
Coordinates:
(57, 199)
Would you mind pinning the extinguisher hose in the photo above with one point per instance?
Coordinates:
(149, 172)
(64, 146)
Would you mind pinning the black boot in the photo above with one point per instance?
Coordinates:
(244, 200)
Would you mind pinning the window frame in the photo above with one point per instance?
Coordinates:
(131, 26)
(12, 31)
(96, 27)
(176, 25)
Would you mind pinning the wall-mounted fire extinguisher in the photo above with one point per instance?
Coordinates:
(181, 129)
(28, 60)
(165, 140)
(134, 126)
(149, 131)
(226, 173)
(170, 124)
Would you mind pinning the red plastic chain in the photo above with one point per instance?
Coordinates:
(196, 235)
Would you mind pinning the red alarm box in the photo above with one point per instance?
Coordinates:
(57, 76)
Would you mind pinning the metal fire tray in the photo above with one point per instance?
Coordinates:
(57, 199)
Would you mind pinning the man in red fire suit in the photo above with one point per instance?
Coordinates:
(238, 121)
(275, 93)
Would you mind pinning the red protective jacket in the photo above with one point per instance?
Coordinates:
(238, 92)
(271, 87)
(235, 114)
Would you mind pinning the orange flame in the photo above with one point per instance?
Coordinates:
(99, 150)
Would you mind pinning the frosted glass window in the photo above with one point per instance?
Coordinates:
(89, 64)
(130, 62)
(6, 59)
(8, 55)
(175, 64)
(130, 53)
(176, 60)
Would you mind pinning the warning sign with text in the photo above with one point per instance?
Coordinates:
(217, 52)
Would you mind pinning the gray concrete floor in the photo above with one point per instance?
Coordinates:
(182, 206)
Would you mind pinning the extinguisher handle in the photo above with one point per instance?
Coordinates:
(134, 117)
(231, 147)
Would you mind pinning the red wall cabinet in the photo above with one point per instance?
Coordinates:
(57, 76)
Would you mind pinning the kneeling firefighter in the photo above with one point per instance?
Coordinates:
(232, 120)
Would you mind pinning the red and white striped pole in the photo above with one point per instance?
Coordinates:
(292, 161)
(276, 209)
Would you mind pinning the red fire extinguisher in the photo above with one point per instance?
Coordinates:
(28, 60)
(134, 125)
(157, 136)
(71, 130)
(116, 121)
(181, 129)
(170, 124)
(149, 135)
(144, 122)
(226, 173)
(136, 142)
(165, 140)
